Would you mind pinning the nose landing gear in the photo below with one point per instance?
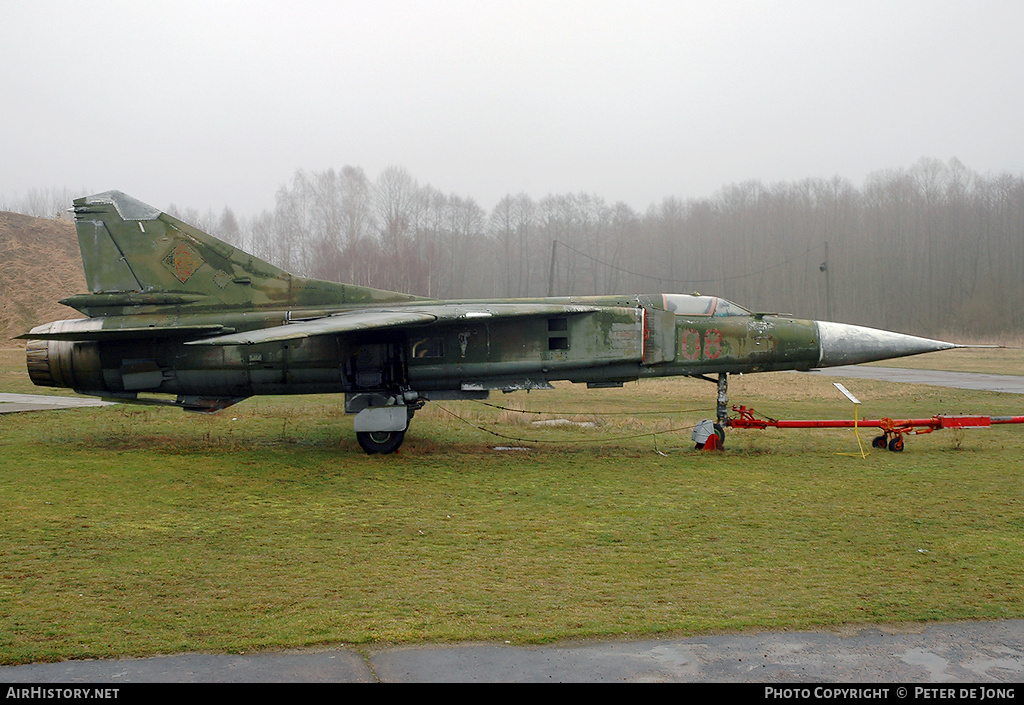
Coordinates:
(710, 435)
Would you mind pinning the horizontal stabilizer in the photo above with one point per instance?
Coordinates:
(84, 329)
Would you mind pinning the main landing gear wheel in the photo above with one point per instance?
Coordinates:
(878, 442)
(896, 444)
(382, 442)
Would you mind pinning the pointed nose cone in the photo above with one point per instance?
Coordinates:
(843, 344)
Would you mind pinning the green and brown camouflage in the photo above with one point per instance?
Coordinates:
(176, 316)
(136, 257)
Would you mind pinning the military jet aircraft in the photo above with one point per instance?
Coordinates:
(174, 311)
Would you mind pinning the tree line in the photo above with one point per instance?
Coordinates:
(934, 249)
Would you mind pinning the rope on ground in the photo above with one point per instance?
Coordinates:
(499, 407)
(605, 439)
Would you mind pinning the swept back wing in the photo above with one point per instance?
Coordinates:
(414, 315)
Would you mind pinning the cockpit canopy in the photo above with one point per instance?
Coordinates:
(697, 305)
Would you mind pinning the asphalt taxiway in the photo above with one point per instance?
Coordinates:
(13, 403)
(963, 652)
(1011, 384)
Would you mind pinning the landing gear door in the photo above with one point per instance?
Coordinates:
(375, 366)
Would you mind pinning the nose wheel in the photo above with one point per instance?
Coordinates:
(716, 441)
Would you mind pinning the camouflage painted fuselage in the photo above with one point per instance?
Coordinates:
(174, 311)
(612, 340)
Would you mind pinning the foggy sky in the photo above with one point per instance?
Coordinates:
(214, 103)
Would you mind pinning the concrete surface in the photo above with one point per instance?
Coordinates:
(1013, 384)
(963, 652)
(12, 403)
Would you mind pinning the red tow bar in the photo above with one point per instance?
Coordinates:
(893, 430)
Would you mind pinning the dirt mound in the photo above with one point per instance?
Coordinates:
(39, 264)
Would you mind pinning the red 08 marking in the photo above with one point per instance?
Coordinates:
(691, 348)
(690, 344)
(712, 344)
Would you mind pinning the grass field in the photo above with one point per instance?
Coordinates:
(134, 530)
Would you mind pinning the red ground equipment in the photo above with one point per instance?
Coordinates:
(893, 430)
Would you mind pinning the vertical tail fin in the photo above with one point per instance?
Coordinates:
(134, 253)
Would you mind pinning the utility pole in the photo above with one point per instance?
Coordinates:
(828, 285)
(551, 269)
